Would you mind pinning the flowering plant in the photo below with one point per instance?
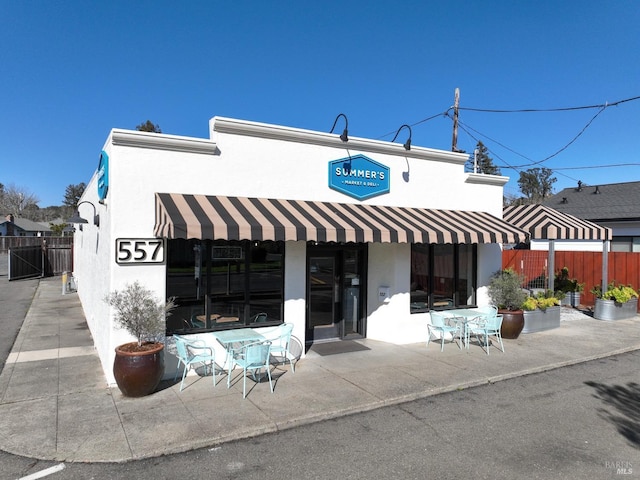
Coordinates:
(541, 300)
(618, 293)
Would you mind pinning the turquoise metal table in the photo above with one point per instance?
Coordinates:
(463, 316)
(228, 338)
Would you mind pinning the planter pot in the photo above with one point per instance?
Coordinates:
(138, 373)
(575, 299)
(541, 320)
(567, 301)
(611, 310)
(512, 323)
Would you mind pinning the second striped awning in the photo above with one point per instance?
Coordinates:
(240, 218)
(545, 223)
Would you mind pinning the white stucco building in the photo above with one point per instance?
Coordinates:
(344, 239)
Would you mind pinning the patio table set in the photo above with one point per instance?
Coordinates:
(483, 322)
(250, 349)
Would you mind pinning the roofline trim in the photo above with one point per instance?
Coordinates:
(288, 134)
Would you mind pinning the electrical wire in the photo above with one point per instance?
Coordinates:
(466, 128)
(564, 109)
(443, 114)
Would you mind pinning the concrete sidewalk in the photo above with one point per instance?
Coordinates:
(55, 404)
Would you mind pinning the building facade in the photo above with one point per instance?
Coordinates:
(261, 224)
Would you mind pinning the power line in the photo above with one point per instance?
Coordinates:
(519, 168)
(443, 114)
(599, 166)
(570, 142)
(563, 109)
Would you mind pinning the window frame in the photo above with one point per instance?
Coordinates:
(202, 303)
(430, 293)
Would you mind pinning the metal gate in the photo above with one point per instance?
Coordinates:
(39, 261)
(26, 262)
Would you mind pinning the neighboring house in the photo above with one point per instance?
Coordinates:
(21, 227)
(614, 205)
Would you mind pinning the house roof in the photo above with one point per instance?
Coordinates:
(545, 223)
(605, 202)
(28, 225)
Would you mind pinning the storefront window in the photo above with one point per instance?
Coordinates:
(222, 285)
(442, 276)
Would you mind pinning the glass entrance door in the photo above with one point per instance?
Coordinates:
(335, 293)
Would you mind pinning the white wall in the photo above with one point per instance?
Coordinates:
(569, 245)
(390, 320)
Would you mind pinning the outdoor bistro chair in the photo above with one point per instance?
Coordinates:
(440, 325)
(192, 352)
(280, 340)
(488, 324)
(252, 357)
(260, 318)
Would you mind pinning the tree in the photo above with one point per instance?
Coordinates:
(484, 163)
(72, 194)
(536, 184)
(18, 202)
(57, 228)
(149, 126)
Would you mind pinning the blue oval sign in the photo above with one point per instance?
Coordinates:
(359, 177)
(103, 175)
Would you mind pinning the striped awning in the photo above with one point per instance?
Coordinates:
(238, 218)
(545, 223)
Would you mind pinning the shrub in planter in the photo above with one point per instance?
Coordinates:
(506, 293)
(139, 366)
(541, 312)
(570, 287)
(542, 301)
(616, 303)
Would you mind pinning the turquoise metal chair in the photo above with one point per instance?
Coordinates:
(260, 318)
(251, 358)
(280, 339)
(191, 352)
(440, 325)
(487, 325)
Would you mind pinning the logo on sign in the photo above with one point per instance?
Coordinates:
(103, 175)
(359, 177)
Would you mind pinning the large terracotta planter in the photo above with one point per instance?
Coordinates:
(512, 323)
(138, 373)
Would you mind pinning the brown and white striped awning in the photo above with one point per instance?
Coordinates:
(545, 223)
(238, 218)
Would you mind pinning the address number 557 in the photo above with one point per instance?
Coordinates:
(139, 250)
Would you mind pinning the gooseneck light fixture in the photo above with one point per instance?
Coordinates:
(344, 137)
(407, 144)
(78, 219)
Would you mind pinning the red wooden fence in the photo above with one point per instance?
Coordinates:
(586, 267)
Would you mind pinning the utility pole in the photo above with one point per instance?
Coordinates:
(456, 103)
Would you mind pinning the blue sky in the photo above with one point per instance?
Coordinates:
(72, 71)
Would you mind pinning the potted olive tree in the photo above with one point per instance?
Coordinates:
(618, 302)
(139, 366)
(506, 293)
